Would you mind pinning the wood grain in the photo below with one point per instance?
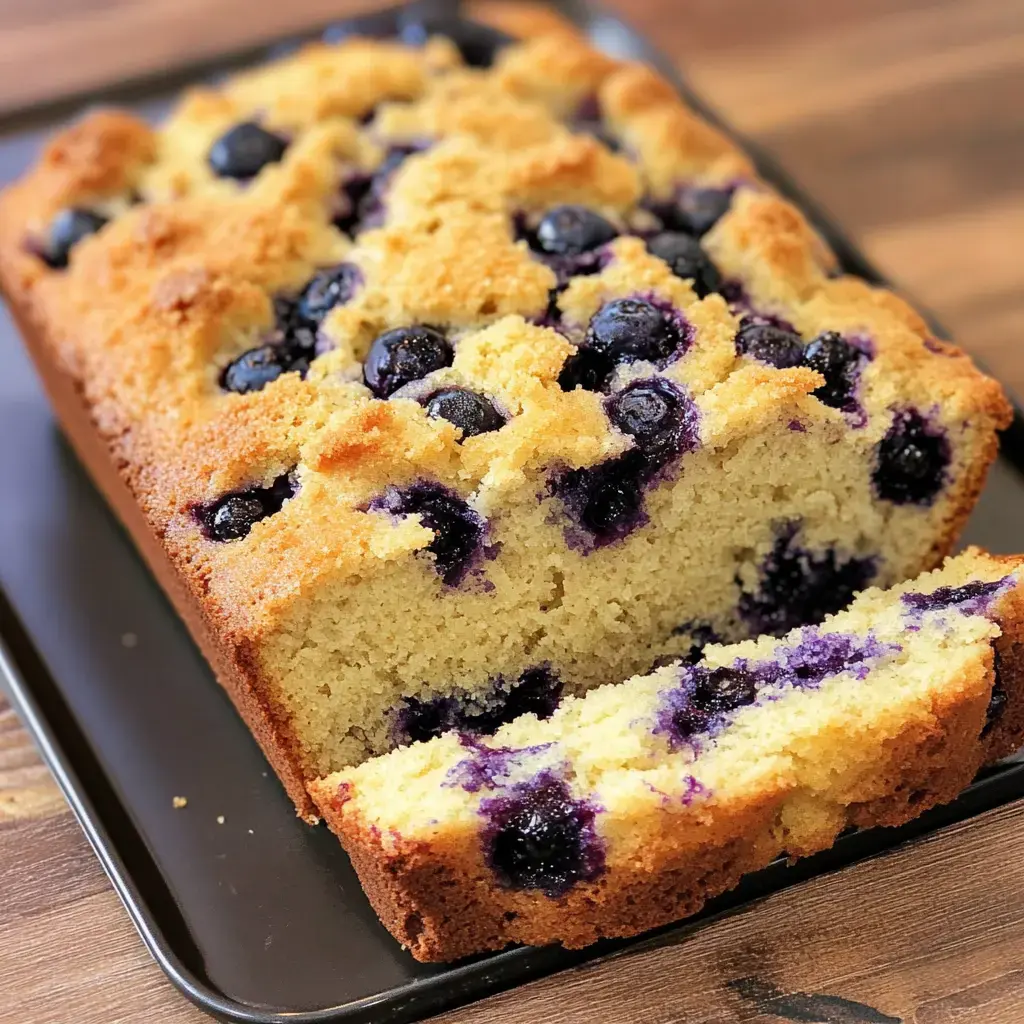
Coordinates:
(904, 118)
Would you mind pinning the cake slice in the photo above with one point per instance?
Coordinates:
(630, 807)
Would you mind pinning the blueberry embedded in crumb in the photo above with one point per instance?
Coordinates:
(539, 837)
(798, 586)
(630, 329)
(971, 598)
(605, 501)
(770, 344)
(244, 150)
(332, 287)
(66, 230)
(234, 515)
(659, 417)
(839, 363)
(586, 368)
(255, 369)
(458, 530)
(405, 354)
(911, 461)
(705, 694)
(537, 692)
(687, 259)
(472, 413)
(724, 689)
(572, 230)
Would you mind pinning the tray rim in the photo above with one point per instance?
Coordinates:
(19, 658)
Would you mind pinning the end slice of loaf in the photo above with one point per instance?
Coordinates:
(632, 806)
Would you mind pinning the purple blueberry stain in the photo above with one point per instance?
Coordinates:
(488, 767)
(537, 691)
(704, 699)
(459, 531)
(912, 460)
(538, 836)
(798, 586)
(232, 516)
(973, 598)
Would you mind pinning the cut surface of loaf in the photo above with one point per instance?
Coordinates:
(631, 806)
(434, 393)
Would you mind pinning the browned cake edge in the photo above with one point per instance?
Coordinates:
(236, 673)
(443, 904)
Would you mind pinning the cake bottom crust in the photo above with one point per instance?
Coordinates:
(442, 902)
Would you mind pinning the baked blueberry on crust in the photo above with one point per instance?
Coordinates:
(66, 230)
(244, 150)
(403, 355)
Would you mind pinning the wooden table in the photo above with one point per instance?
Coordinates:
(905, 118)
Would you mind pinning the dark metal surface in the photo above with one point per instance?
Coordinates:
(257, 918)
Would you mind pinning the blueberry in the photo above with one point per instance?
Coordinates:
(687, 259)
(67, 229)
(695, 211)
(631, 329)
(420, 720)
(471, 412)
(243, 151)
(363, 195)
(539, 837)
(658, 416)
(720, 690)
(405, 354)
(255, 369)
(458, 530)
(839, 363)
(605, 501)
(329, 288)
(572, 230)
(478, 43)
(798, 586)
(234, 515)
(586, 368)
(911, 461)
(770, 344)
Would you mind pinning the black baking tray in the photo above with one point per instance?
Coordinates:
(254, 915)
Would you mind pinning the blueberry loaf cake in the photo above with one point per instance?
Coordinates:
(434, 392)
(632, 805)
